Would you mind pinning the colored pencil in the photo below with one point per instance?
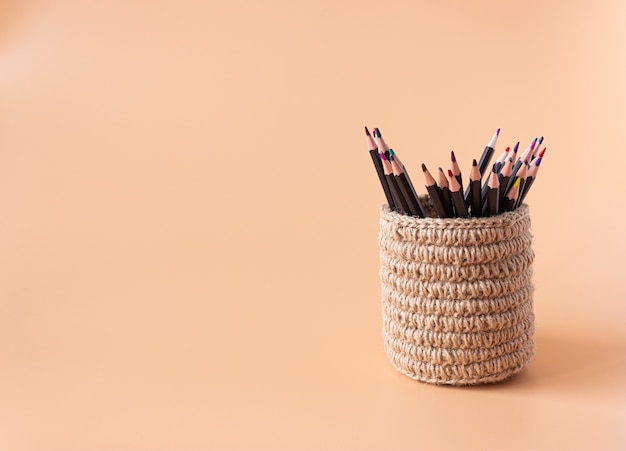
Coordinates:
(474, 202)
(373, 150)
(444, 190)
(524, 158)
(485, 158)
(505, 189)
(536, 149)
(492, 198)
(502, 158)
(513, 153)
(460, 209)
(398, 199)
(510, 198)
(530, 178)
(538, 155)
(520, 178)
(504, 177)
(382, 145)
(456, 170)
(490, 148)
(433, 193)
(497, 165)
(414, 205)
(394, 155)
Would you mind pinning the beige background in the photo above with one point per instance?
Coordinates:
(189, 217)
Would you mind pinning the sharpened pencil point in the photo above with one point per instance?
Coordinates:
(494, 169)
(377, 133)
(498, 132)
(367, 132)
(383, 156)
(452, 156)
(516, 147)
(538, 161)
(542, 152)
(516, 182)
(474, 162)
(450, 174)
(424, 167)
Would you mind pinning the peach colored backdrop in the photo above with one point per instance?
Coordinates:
(189, 218)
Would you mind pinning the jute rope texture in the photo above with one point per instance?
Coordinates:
(457, 296)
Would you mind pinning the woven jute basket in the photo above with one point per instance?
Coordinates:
(457, 295)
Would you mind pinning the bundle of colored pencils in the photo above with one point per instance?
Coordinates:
(504, 188)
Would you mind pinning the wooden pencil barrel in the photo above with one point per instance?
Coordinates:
(457, 295)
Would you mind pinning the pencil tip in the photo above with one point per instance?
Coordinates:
(507, 149)
(452, 156)
(498, 132)
(474, 162)
(516, 147)
(424, 167)
(450, 174)
(383, 156)
(538, 161)
(377, 133)
(516, 182)
(367, 132)
(493, 169)
(391, 152)
(542, 152)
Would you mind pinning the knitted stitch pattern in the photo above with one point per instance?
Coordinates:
(457, 295)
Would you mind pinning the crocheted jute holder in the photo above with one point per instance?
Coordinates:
(457, 295)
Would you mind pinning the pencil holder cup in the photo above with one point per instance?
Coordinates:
(457, 295)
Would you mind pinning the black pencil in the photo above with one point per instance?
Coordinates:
(536, 150)
(485, 158)
(510, 198)
(415, 207)
(373, 150)
(524, 158)
(502, 158)
(513, 153)
(382, 145)
(460, 209)
(444, 189)
(504, 177)
(530, 178)
(490, 148)
(456, 170)
(519, 177)
(492, 198)
(435, 197)
(394, 156)
(398, 199)
(474, 202)
(497, 166)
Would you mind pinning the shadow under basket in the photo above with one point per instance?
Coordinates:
(457, 295)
